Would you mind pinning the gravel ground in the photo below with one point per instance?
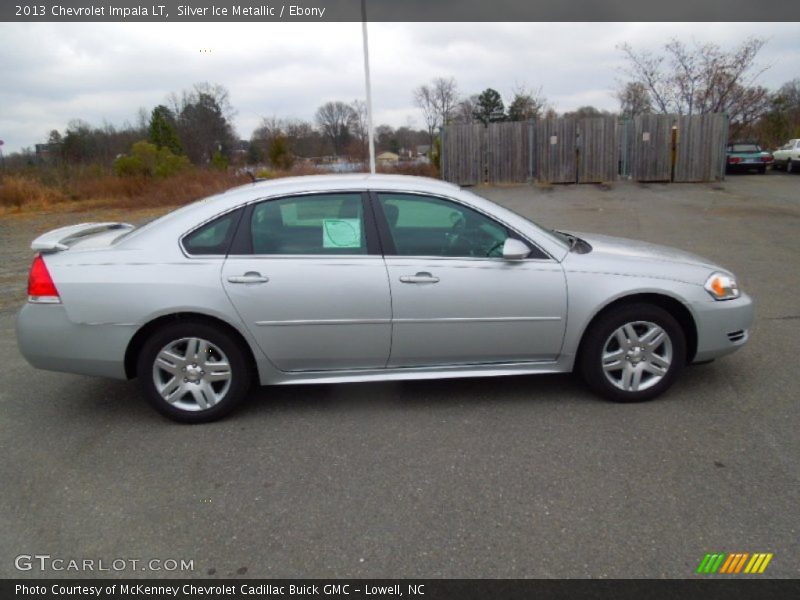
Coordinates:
(513, 477)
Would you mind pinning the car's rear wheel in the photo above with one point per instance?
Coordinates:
(193, 372)
(633, 353)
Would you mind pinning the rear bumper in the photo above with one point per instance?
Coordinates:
(737, 167)
(722, 327)
(49, 340)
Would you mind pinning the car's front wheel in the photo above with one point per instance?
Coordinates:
(790, 168)
(193, 372)
(633, 353)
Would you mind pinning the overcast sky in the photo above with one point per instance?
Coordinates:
(51, 73)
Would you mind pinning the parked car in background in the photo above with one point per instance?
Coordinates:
(342, 278)
(746, 156)
(788, 156)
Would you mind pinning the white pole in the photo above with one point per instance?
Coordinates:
(369, 87)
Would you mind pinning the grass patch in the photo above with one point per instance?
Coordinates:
(82, 189)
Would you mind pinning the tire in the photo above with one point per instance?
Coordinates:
(610, 342)
(214, 369)
(789, 166)
(763, 170)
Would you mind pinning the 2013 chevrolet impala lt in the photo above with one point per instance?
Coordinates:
(363, 278)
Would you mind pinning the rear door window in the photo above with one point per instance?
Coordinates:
(322, 224)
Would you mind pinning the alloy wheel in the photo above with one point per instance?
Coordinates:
(636, 356)
(192, 374)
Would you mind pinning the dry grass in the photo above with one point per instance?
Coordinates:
(297, 170)
(17, 191)
(418, 169)
(75, 191)
(79, 188)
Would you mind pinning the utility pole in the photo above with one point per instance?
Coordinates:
(369, 86)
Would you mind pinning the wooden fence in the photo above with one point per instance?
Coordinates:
(588, 150)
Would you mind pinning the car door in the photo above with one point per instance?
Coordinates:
(455, 299)
(307, 279)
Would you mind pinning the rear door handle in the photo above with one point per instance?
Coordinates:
(422, 277)
(249, 277)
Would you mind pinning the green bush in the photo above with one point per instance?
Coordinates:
(280, 157)
(148, 160)
(219, 161)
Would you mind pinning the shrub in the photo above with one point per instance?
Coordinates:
(18, 190)
(148, 160)
(279, 155)
(219, 162)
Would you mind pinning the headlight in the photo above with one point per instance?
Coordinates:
(722, 286)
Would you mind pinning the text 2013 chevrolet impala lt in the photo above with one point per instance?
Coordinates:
(364, 278)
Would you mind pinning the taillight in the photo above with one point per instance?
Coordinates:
(767, 158)
(41, 289)
(734, 160)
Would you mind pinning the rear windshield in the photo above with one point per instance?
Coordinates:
(745, 148)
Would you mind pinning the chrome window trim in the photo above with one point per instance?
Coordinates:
(186, 253)
(547, 259)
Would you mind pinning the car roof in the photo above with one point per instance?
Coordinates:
(312, 183)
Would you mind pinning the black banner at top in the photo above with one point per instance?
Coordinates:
(239, 11)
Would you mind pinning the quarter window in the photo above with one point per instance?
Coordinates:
(317, 224)
(427, 226)
(214, 237)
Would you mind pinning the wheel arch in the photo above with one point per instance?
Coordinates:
(145, 331)
(673, 306)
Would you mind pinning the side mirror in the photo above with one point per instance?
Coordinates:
(515, 250)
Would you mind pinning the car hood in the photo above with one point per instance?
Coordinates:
(621, 247)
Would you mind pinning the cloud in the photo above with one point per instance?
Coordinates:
(98, 72)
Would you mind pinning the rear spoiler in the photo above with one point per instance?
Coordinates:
(64, 237)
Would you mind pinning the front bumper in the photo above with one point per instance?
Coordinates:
(722, 326)
(49, 340)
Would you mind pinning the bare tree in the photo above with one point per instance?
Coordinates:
(425, 99)
(526, 104)
(360, 128)
(634, 100)
(782, 121)
(587, 112)
(269, 128)
(701, 79)
(464, 110)
(436, 101)
(445, 97)
(336, 120)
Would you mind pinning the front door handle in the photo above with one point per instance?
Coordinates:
(422, 277)
(249, 277)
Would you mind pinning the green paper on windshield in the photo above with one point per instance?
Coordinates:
(341, 233)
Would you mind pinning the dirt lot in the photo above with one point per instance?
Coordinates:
(513, 477)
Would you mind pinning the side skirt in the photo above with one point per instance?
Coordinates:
(411, 373)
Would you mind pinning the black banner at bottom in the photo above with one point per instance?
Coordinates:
(410, 589)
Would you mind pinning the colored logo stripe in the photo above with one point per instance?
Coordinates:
(710, 563)
(758, 563)
(734, 562)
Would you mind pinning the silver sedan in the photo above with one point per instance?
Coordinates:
(363, 278)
